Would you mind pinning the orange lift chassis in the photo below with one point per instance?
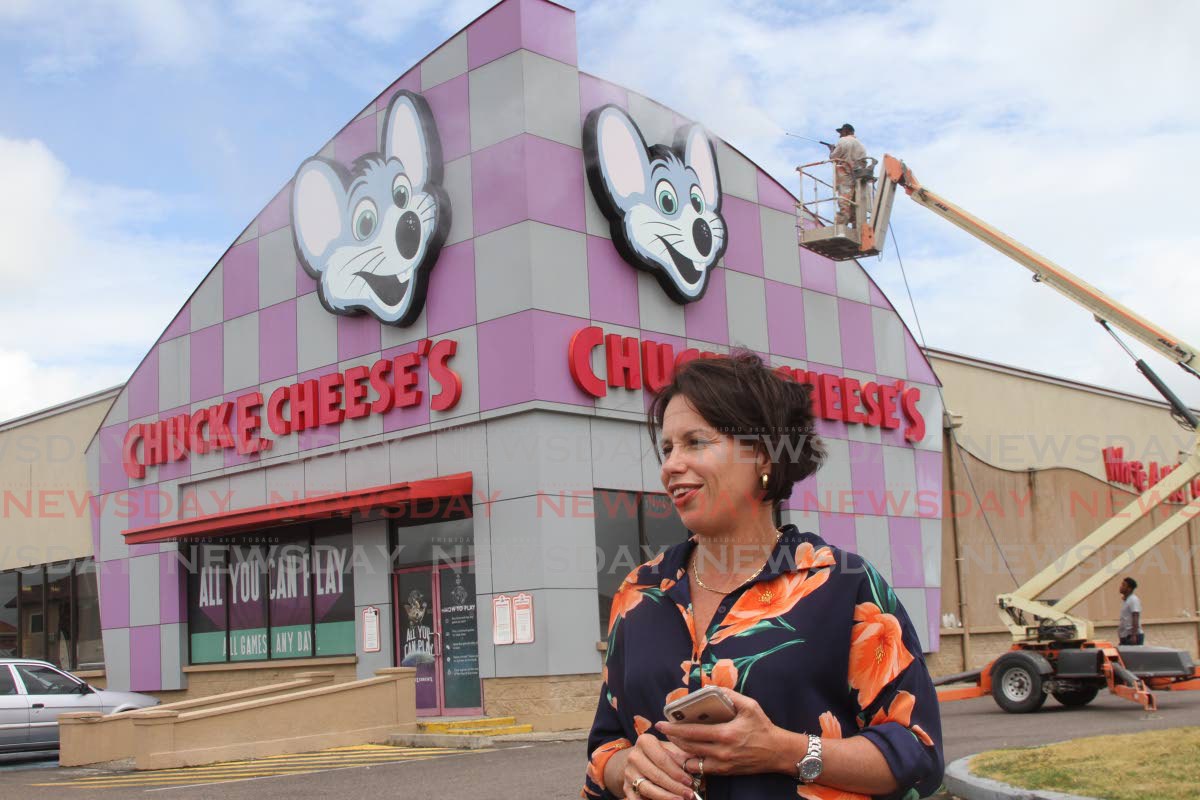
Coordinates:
(1053, 651)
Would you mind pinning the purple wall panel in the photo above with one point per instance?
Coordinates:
(708, 318)
(357, 335)
(877, 297)
(114, 593)
(305, 283)
(804, 495)
(142, 389)
(772, 195)
(499, 172)
(908, 565)
(785, 320)
(232, 457)
(893, 437)
(495, 34)
(918, 366)
(505, 370)
(839, 530)
(356, 139)
(278, 212)
(240, 279)
(206, 362)
(929, 482)
(857, 335)
(554, 181)
(450, 302)
(179, 326)
(817, 273)
(869, 494)
(173, 470)
(549, 29)
(612, 284)
(401, 418)
(410, 80)
(172, 589)
(551, 377)
(448, 102)
(112, 473)
(594, 93)
(145, 659)
(277, 341)
(745, 251)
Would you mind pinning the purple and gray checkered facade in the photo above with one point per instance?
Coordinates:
(528, 262)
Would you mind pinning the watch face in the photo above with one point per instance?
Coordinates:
(810, 768)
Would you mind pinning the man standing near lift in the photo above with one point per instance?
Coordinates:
(848, 156)
(1129, 629)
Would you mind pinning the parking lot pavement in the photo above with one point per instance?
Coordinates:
(549, 770)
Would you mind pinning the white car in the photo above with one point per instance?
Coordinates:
(34, 693)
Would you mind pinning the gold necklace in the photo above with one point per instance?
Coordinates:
(755, 574)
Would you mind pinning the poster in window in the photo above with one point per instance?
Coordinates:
(207, 592)
(247, 603)
(333, 593)
(460, 638)
(290, 593)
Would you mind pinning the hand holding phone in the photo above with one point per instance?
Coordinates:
(707, 706)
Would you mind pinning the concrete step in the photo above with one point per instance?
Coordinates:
(457, 725)
(500, 730)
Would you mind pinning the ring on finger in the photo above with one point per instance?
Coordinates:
(700, 768)
(636, 783)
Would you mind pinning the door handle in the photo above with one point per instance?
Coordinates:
(436, 641)
(39, 705)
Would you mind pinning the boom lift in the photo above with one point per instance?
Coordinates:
(1053, 651)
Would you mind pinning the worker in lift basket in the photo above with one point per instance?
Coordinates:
(847, 155)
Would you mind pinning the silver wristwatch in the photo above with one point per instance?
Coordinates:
(808, 769)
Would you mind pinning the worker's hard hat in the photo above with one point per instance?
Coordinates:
(846, 128)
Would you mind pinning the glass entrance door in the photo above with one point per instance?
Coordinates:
(436, 632)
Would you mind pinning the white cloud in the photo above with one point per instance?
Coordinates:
(89, 284)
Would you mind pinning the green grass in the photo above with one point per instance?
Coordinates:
(1159, 765)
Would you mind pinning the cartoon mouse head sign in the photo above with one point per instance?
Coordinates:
(371, 235)
(663, 203)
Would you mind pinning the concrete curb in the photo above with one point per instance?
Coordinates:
(959, 781)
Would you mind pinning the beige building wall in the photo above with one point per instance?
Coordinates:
(1017, 419)
(44, 514)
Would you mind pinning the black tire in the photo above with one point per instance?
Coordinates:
(1017, 686)
(1074, 698)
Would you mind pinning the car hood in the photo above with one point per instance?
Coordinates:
(113, 699)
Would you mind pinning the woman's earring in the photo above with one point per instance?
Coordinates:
(765, 478)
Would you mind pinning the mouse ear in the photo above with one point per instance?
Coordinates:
(699, 155)
(410, 135)
(318, 215)
(616, 156)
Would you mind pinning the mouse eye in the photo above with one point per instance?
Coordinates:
(401, 191)
(664, 195)
(365, 219)
(697, 200)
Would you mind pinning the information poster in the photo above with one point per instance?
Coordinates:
(415, 594)
(502, 621)
(523, 618)
(459, 640)
(370, 629)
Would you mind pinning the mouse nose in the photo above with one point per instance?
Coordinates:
(702, 236)
(408, 234)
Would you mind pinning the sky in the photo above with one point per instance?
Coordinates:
(139, 137)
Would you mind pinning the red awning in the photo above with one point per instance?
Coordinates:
(228, 523)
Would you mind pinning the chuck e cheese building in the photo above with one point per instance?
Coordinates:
(401, 421)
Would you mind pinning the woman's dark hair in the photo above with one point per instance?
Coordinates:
(739, 396)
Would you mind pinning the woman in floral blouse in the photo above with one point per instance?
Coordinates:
(807, 641)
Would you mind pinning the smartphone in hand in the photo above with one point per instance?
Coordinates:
(705, 706)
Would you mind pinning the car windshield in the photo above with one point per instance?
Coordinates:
(44, 680)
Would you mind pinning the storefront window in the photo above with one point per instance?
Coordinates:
(289, 578)
(89, 652)
(333, 591)
(58, 614)
(289, 594)
(8, 615)
(33, 613)
(631, 528)
(207, 612)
